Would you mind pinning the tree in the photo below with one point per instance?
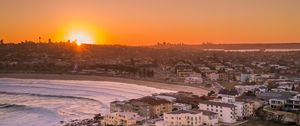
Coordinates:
(293, 87)
(271, 85)
(49, 40)
(211, 93)
(250, 93)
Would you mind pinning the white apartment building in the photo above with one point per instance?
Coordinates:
(209, 118)
(190, 118)
(293, 103)
(243, 109)
(121, 118)
(226, 111)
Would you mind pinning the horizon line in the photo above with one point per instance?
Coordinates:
(165, 43)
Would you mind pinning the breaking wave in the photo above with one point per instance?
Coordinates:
(34, 102)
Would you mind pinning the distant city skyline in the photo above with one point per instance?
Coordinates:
(142, 22)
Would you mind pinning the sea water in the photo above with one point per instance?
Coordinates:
(37, 102)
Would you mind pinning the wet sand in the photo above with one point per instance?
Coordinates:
(173, 87)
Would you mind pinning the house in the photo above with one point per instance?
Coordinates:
(213, 76)
(184, 70)
(276, 100)
(293, 103)
(122, 119)
(193, 79)
(251, 78)
(244, 77)
(252, 88)
(190, 118)
(226, 111)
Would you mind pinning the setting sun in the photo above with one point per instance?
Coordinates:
(81, 38)
(81, 32)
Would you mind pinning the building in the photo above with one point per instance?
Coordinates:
(122, 119)
(255, 103)
(184, 70)
(245, 78)
(209, 118)
(243, 109)
(118, 106)
(213, 76)
(150, 107)
(181, 106)
(278, 100)
(156, 106)
(226, 111)
(293, 103)
(277, 103)
(168, 98)
(228, 93)
(190, 118)
(252, 88)
(193, 79)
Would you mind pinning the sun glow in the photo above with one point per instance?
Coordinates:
(81, 38)
(81, 33)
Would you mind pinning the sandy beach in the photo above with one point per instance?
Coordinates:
(195, 90)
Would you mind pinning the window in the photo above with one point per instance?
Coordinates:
(221, 115)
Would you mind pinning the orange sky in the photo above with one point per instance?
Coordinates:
(145, 22)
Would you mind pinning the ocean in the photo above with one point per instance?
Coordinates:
(38, 102)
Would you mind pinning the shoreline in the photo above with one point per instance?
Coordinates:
(159, 85)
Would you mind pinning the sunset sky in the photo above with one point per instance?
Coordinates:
(146, 22)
